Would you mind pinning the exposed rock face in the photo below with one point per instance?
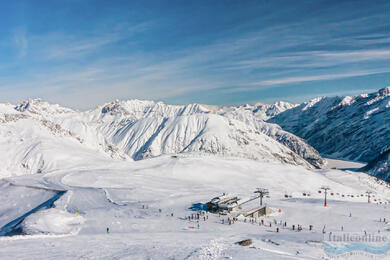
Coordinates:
(353, 128)
(380, 166)
(246, 242)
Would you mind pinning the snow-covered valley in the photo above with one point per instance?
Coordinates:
(135, 201)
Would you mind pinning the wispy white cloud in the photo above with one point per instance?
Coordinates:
(74, 48)
(353, 56)
(289, 80)
(61, 45)
(21, 42)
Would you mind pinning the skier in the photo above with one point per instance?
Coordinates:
(108, 230)
(277, 230)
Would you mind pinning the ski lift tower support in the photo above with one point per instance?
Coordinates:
(325, 188)
(369, 195)
(262, 192)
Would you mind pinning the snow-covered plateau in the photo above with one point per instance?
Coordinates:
(125, 180)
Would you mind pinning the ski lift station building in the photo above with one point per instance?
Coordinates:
(258, 212)
(226, 202)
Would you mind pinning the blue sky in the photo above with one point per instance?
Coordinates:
(84, 53)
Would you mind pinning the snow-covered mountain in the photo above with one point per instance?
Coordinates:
(35, 133)
(206, 123)
(354, 128)
(259, 110)
(32, 143)
(251, 116)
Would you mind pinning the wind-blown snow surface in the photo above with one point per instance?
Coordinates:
(34, 135)
(354, 128)
(135, 201)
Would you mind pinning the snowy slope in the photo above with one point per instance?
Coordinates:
(295, 143)
(135, 201)
(129, 111)
(355, 128)
(33, 144)
(138, 129)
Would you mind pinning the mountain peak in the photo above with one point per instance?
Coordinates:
(38, 106)
(384, 92)
(26, 104)
(311, 103)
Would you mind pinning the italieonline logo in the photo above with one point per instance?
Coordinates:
(343, 244)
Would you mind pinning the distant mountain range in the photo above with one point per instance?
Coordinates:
(35, 136)
(353, 128)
